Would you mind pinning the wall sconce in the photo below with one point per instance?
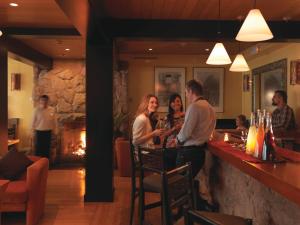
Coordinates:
(15, 81)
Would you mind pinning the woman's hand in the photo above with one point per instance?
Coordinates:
(177, 127)
(158, 132)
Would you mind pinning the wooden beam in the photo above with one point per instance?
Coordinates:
(23, 50)
(3, 100)
(78, 13)
(99, 117)
(202, 30)
(32, 31)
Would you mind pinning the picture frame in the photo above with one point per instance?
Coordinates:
(169, 80)
(266, 80)
(295, 72)
(212, 79)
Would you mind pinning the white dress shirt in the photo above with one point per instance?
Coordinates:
(199, 123)
(140, 128)
(44, 119)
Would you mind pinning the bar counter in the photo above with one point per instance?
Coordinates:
(269, 193)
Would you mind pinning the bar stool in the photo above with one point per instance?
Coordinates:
(150, 183)
(178, 193)
(3, 186)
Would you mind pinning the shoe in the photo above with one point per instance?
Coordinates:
(203, 205)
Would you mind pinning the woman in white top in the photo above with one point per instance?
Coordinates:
(142, 133)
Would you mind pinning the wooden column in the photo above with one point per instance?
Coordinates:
(99, 122)
(3, 100)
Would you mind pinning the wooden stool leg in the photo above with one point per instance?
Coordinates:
(132, 203)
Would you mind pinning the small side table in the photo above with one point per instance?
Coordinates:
(3, 186)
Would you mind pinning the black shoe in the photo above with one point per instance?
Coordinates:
(203, 205)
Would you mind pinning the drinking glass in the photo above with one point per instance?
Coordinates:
(244, 135)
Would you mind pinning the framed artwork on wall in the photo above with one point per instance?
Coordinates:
(212, 79)
(169, 80)
(266, 80)
(295, 72)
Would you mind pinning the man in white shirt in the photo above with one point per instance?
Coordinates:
(198, 126)
(43, 125)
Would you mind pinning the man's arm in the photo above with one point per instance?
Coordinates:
(189, 124)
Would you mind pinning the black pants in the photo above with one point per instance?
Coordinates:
(193, 154)
(42, 143)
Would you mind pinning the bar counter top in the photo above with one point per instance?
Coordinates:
(283, 177)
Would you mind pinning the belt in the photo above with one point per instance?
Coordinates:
(194, 146)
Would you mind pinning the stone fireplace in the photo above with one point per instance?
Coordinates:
(65, 86)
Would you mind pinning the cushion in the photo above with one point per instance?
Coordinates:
(13, 165)
(152, 183)
(16, 192)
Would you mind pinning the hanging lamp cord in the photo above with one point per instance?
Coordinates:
(219, 18)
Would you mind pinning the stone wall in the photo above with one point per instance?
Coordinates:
(65, 85)
(240, 194)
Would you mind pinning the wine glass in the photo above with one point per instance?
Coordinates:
(244, 135)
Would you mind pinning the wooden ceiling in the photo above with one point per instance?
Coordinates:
(42, 14)
(33, 13)
(140, 47)
(54, 47)
(200, 9)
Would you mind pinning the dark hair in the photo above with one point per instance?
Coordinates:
(45, 97)
(195, 87)
(282, 94)
(171, 110)
(243, 120)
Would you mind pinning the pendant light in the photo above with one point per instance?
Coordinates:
(239, 64)
(218, 55)
(1, 33)
(254, 28)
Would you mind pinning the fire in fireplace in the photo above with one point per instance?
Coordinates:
(80, 147)
(73, 142)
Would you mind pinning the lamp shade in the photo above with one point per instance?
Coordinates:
(218, 55)
(239, 64)
(254, 28)
(1, 33)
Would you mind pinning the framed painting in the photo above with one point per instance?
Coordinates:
(212, 79)
(266, 80)
(169, 80)
(295, 72)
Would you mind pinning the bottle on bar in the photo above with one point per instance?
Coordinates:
(257, 117)
(268, 153)
(260, 134)
(251, 138)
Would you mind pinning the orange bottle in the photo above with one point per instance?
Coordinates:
(251, 138)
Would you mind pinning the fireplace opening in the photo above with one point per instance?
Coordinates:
(73, 143)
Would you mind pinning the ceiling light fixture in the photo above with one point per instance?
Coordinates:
(207, 49)
(150, 49)
(13, 4)
(1, 33)
(218, 55)
(239, 64)
(254, 28)
(67, 49)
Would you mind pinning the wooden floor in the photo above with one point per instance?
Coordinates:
(65, 206)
